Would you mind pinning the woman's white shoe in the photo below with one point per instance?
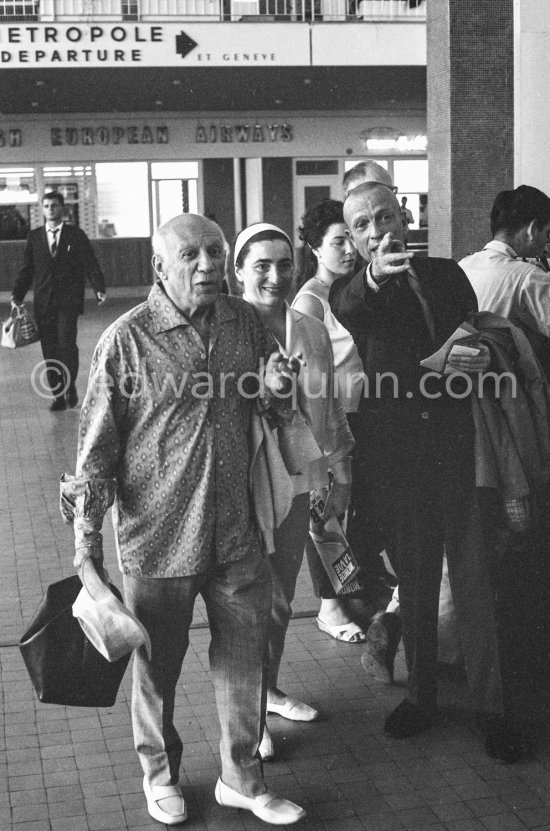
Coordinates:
(155, 794)
(266, 806)
(266, 748)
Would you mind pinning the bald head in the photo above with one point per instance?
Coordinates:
(190, 226)
(368, 171)
(367, 191)
(189, 253)
(371, 211)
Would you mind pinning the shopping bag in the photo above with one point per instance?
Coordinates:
(64, 667)
(297, 445)
(19, 329)
(332, 547)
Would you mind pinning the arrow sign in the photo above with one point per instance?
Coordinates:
(184, 44)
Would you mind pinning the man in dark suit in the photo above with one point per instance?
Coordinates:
(57, 259)
(413, 469)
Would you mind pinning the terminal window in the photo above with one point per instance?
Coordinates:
(129, 9)
(13, 11)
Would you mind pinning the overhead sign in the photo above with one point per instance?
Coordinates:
(391, 43)
(101, 44)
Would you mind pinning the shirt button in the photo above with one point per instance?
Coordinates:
(203, 356)
(424, 415)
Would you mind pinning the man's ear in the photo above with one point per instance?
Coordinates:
(532, 229)
(156, 262)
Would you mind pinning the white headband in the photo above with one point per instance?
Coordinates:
(252, 230)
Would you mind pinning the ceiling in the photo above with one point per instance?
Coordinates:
(223, 89)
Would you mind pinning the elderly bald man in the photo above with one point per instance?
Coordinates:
(164, 435)
(413, 467)
(366, 171)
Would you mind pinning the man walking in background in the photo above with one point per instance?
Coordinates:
(58, 258)
(407, 218)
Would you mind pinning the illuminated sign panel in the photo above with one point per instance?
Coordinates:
(391, 140)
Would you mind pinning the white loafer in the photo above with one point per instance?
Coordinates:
(155, 793)
(266, 748)
(266, 806)
(293, 709)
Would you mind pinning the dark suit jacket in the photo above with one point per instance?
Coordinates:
(393, 442)
(445, 286)
(60, 281)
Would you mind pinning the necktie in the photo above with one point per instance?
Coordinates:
(410, 279)
(414, 284)
(54, 241)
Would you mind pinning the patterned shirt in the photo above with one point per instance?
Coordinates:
(168, 420)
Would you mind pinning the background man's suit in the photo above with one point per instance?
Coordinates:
(59, 285)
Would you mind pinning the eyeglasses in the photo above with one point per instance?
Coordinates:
(348, 190)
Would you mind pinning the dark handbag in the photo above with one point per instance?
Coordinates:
(63, 665)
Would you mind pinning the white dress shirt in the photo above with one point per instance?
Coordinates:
(507, 286)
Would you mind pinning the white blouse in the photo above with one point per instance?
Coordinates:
(348, 367)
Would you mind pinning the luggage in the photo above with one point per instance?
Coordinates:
(62, 664)
(19, 329)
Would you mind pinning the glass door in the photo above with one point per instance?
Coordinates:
(174, 190)
(314, 180)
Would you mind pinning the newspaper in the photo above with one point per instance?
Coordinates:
(463, 341)
(333, 548)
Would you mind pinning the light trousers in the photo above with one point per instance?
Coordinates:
(238, 600)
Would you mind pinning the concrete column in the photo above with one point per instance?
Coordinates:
(470, 94)
(254, 191)
(237, 195)
(532, 102)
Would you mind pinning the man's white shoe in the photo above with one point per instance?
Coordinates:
(155, 794)
(292, 709)
(268, 807)
(266, 748)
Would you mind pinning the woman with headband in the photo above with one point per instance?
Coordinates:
(264, 265)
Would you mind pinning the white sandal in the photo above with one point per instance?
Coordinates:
(343, 631)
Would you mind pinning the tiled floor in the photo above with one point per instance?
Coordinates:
(74, 769)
